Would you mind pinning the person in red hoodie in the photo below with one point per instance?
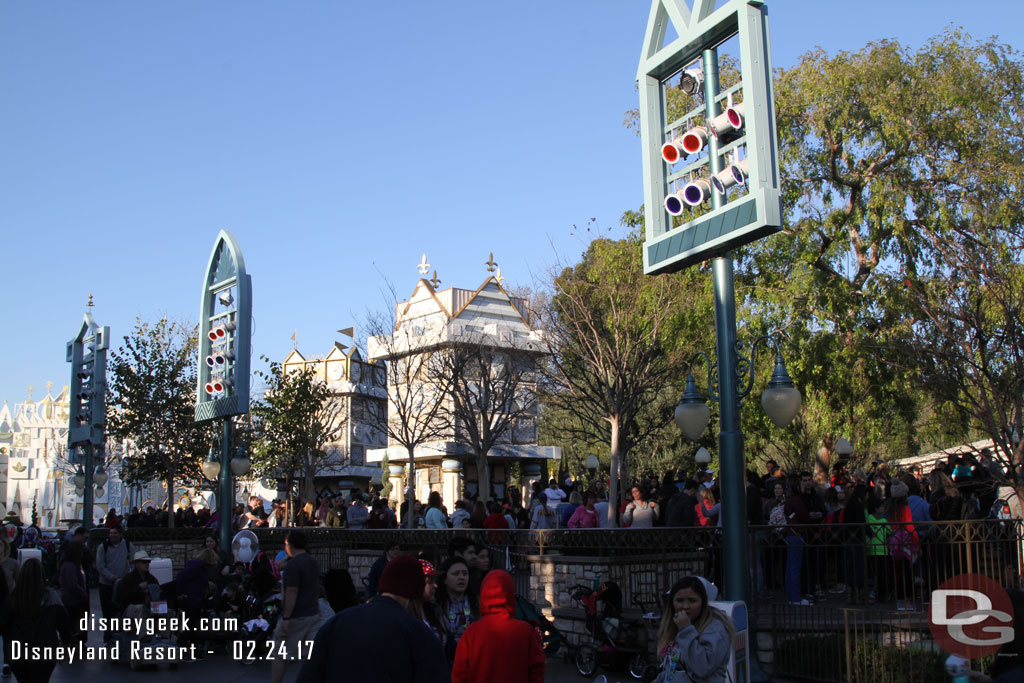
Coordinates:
(498, 648)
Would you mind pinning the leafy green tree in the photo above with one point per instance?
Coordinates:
(889, 160)
(293, 424)
(152, 397)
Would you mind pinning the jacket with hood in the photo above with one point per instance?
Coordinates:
(498, 648)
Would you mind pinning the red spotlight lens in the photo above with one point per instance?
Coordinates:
(670, 153)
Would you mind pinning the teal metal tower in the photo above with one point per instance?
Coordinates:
(225, 349)
(87, 419)
(711, 184)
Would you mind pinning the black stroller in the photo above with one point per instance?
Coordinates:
(616, 644)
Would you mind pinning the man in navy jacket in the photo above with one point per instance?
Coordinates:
(380, 640)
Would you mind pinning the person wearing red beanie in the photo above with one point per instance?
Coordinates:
(379, 641)
(480, 659)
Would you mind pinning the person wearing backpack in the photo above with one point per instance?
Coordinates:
(904, 545)
(877, 546)
(113, 561)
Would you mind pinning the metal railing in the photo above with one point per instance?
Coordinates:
(829, 556)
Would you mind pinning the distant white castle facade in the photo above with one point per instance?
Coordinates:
(34, 463)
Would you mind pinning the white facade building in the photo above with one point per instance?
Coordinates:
(359, 386)
(34, 463)
(432, 319)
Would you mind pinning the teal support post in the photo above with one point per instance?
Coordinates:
(732, 472)
(226, 498)
(87, 499)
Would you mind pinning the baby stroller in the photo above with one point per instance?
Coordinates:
(142, 648)
(550, 637)
(616, 644)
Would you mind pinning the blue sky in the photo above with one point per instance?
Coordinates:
(338, 141)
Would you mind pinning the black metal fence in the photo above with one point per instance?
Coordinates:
(856, 579)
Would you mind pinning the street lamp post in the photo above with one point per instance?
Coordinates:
(781, 402)
(686, 164)
(844, 448)
(221, 469)
(592, 463)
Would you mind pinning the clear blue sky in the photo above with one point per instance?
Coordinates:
(338, 141)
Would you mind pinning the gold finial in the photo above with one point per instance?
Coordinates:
(436, 281)
(491, 263)
(49, 385)
(90, 304)
(498, 278)
(30, 390)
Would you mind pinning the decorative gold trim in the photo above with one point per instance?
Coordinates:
(497, 284)
(433, 295)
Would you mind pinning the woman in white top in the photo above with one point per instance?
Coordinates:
(640, 513)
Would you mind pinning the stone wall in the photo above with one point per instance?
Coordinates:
(553, 576)
(179, 552)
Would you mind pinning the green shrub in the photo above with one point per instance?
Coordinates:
(824, 658)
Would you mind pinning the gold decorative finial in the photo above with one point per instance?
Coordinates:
(49, 385)
(436, 281)
(90, 304)
(491, 263)
(498, 278)
(30, 390)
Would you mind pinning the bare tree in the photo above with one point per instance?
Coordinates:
(605, 330)
(417, 385)
(968, 340)
(493, 397)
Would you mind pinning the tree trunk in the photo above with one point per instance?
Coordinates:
(410, 494)
(170, 502)
(613, 479)
(308, 485)
(290, 516)
(624, 476)
(483, 478)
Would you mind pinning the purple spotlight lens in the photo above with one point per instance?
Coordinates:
(673, 205)
(738, 174)
(693, 194)
(734, 118)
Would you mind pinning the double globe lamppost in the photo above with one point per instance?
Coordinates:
(781, 402)
(240, 464)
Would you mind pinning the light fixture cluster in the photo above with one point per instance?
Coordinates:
(726, 126)
(781, 402)
(240, 464)
(221, 357)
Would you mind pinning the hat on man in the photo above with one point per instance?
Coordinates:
(403, 576)
(141, 556)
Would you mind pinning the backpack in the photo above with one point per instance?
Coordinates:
(777, 517)
(265, 573)
(903, 545)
